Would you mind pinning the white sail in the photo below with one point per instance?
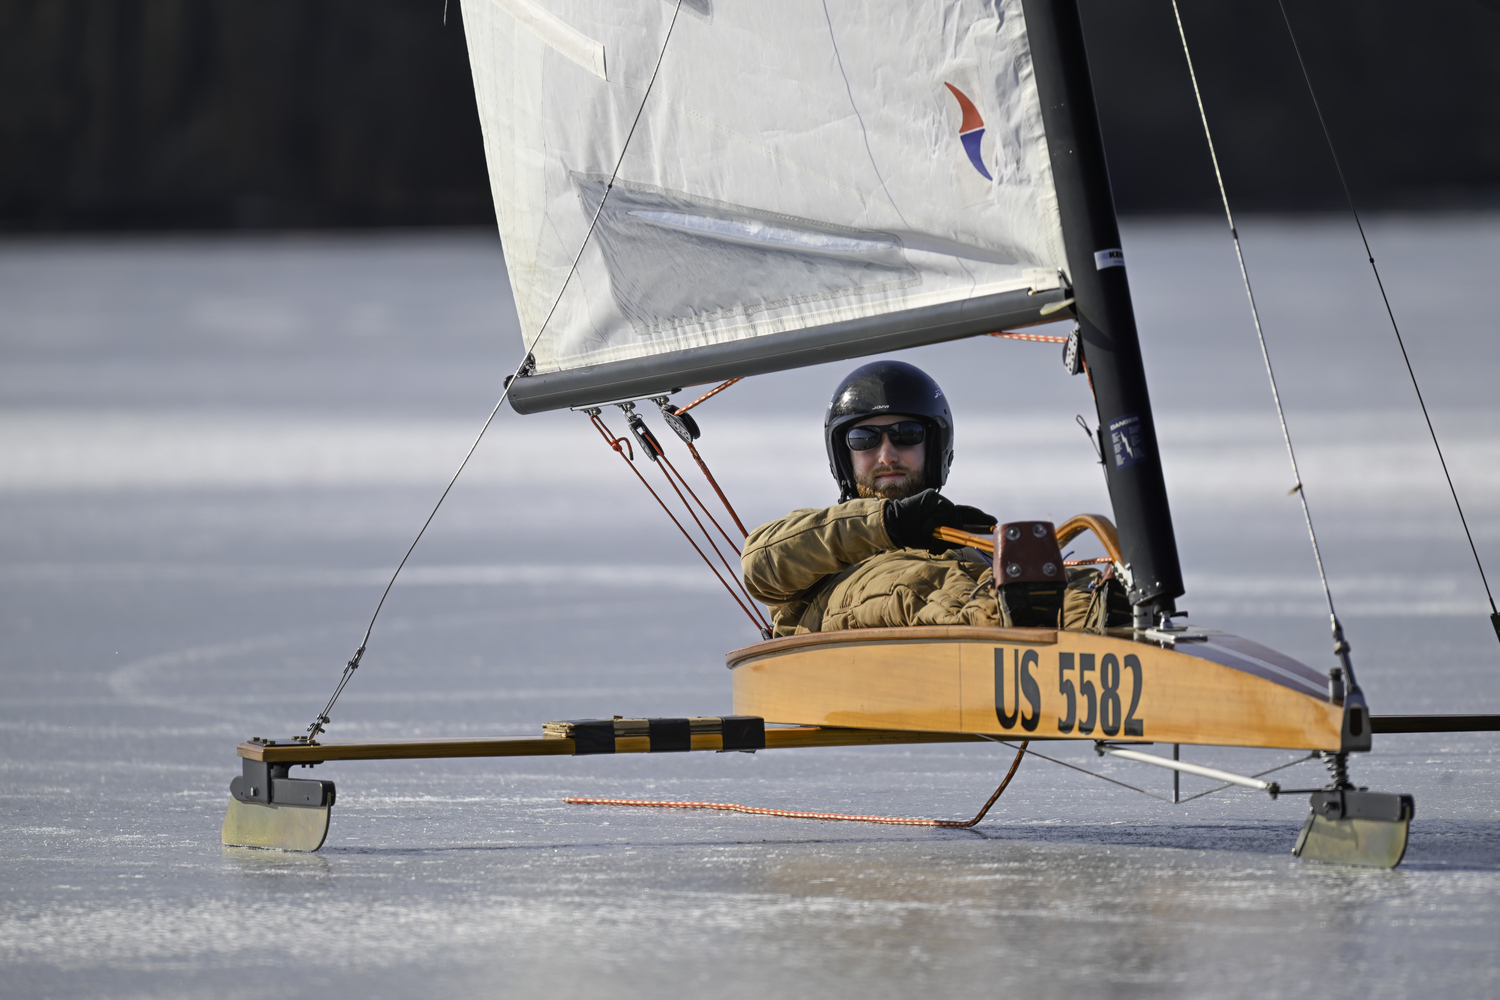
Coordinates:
(842, 169)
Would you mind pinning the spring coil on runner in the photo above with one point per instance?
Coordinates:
(1338, 768)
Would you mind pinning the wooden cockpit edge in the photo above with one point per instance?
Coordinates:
(910, 633)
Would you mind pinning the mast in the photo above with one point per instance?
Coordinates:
(1111, 347)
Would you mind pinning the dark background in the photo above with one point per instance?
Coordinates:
(173, 114)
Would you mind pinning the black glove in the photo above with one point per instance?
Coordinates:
(973, 520)
(910, 522)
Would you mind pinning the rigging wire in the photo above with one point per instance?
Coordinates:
(949, 824)
(1022, 750)
(318, 725)
(1340, 645)
(1133, 788)
(1080, 770)
(1400, 342)
(1258, 774)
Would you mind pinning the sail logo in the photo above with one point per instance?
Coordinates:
(970, 130)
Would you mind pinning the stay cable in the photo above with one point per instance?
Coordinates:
(319, 724)
(1395, 327)
(1340, 645)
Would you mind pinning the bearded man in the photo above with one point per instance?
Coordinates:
(871, 559)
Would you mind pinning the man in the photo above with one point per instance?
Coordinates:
(871, 560)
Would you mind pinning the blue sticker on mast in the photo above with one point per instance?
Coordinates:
(1126, 440)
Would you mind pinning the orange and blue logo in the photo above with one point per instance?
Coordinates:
(970, 130)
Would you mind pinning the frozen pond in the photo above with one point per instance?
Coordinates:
(212, 451)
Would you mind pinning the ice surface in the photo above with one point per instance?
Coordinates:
(212, 450)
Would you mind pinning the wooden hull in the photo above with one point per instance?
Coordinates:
(1040, 684)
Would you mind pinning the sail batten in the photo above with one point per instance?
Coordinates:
(556, 34)
(806, 180)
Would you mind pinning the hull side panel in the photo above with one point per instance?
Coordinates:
(1082, 686)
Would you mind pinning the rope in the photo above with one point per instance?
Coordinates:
(616, 443)
(317, 725)
(710, 394)
(947, 824)
(1340, 646)
(667, 464)
(693, 450)
(1369, 255)
(1043, 338)
(760, 621)
(715, 484)
(659, 456)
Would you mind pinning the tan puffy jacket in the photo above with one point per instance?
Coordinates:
(836, 568)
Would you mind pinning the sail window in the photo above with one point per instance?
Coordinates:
(679, 263)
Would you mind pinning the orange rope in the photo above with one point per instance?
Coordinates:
(1039, 337)
(715, 484)
(710, 394)
(950, 824)
(670, 471)
(666, 465)
(701, 506)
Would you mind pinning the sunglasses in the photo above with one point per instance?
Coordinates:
(903, 435)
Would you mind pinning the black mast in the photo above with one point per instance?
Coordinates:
(1111, 348)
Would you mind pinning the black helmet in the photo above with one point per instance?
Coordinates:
(875, 390)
